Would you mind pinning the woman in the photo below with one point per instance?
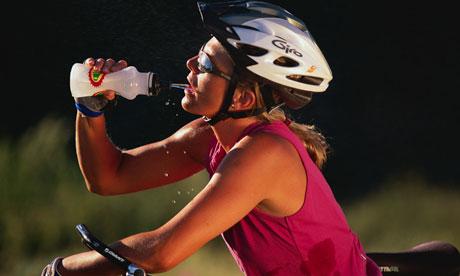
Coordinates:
(266, 194)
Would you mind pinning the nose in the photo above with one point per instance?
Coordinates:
(192, 64)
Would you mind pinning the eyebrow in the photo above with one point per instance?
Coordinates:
(202, 50)
(209, 56)
(218, 71)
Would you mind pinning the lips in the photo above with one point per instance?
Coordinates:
(189, 90)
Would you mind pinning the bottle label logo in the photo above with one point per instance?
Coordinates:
(95, 77)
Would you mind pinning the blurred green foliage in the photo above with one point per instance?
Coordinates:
(405, 211)
(43, 197)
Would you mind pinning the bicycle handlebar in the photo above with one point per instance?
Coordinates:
(93, 243)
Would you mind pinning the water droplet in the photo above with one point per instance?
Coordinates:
(167, 151)
(185, 152)
(166, 174)
(177, 115)
(193, 189)
(173, 202)
(166, 103)
(173, 103)
(188, 193)
(178, 192)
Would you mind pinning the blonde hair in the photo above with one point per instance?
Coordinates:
(314, 142)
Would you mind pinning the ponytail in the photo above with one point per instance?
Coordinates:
(314, 142)
(312, 139)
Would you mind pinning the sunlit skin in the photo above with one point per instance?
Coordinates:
(197, 101)
(261, 171)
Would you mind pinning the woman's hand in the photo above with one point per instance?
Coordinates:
(106, 66)
(94, 106)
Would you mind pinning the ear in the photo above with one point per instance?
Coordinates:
(243, 99)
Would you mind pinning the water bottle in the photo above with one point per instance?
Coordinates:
(128, 83)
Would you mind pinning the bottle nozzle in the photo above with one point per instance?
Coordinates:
(154, 84)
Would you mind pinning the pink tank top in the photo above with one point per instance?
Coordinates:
(315, 241)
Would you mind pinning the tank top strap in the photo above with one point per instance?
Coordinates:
(279, 128)
(254, 127)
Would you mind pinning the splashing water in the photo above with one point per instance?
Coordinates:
(166, 174)
(180, 86)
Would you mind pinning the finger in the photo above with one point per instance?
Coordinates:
(45, 271)
(119, 65)
(108, 94)
(99, 64)
(89, 62)
(108, 65)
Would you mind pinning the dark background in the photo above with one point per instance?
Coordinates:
(392, 106)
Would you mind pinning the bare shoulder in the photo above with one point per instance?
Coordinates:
(268, 144)
(273, 164)
(192, 129)
(195, 137)
(262, 152)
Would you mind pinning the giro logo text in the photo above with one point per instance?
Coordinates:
(286, 47)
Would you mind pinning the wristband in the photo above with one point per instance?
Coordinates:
(86, 111)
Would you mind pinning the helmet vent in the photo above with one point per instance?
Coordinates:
(286, 62)
(306, 79)
(247, 27)
(251, 50)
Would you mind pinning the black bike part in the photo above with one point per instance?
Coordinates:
(428, 259)
(93, 243)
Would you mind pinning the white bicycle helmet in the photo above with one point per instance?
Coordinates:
(272, 44)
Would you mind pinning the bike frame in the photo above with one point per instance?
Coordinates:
(440, 259)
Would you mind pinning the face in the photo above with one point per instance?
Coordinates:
(206, 90)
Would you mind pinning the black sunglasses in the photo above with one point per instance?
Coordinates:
(205, 65)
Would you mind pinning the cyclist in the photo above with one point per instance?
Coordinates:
(266, 195)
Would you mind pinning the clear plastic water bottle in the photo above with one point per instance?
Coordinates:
(128, 83)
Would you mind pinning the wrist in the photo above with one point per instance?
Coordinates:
(86, 111)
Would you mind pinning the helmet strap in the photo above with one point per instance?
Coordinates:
(223, 111)
(265, 90)
(269, 101)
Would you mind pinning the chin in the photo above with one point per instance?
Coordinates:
(190, 107)
(200, 108)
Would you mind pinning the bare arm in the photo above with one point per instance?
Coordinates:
(108, 170)
(249, 176)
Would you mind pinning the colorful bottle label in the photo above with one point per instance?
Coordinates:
(95, 77)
